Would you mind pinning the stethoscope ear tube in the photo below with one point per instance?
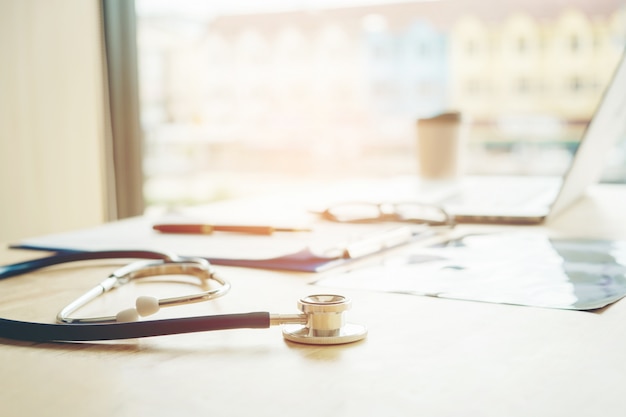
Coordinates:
(43, 332)
(19, 268)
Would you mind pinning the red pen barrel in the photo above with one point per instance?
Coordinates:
(208, 229)
(195, 228)
(255, 230)
(184, 228)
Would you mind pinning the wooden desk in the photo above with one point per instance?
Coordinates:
(423, 356)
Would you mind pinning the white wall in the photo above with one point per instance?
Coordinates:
(52, 175)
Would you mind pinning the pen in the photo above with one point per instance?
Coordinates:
(205, 229)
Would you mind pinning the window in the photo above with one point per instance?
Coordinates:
(522, 45)
(471, 48)
(244, 97)
(423, 50)
(576, 84)
(574, 43)
(524, 85)
(474, 86)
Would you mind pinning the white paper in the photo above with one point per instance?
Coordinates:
(521, 269)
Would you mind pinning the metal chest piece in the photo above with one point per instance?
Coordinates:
(325, 324)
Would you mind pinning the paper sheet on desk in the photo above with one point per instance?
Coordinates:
(520, 269)
(298, 251)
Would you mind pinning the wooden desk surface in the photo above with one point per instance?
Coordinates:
(423, 356)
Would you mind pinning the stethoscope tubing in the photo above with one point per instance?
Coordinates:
(44, 332)
(66, 257)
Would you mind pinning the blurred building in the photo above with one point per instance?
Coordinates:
(330, 86)
(546, 64)
(414, 58)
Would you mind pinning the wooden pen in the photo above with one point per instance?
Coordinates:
(205, 229)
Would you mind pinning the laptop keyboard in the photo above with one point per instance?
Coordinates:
(499, 194)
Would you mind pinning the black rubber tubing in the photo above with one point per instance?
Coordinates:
(43, 332)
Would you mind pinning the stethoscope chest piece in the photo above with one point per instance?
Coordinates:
(325, 322)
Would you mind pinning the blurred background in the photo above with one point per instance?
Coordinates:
(246, 97)
(116, 108)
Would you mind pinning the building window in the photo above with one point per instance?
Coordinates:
(576, 84)
(574, 43)
(524, 85)
(522, 45)
(471, 48)
(423, 50)
(474, 86)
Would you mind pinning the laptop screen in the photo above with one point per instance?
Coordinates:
(607, 125)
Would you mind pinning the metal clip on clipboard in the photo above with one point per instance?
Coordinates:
(362, 248)
(311, 260)
(378, 243)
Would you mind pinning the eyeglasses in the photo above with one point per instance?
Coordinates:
(407, 212)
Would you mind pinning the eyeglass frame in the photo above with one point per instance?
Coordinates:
(391, 216)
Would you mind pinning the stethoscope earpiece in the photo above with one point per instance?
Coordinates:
(127, 316)
(146, 305)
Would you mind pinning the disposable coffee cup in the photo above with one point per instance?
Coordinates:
(441, 147)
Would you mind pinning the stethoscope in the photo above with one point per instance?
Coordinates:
(321, 321)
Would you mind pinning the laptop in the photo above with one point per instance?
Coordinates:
(532, 200)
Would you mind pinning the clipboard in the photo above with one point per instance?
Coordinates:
(329, 246)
